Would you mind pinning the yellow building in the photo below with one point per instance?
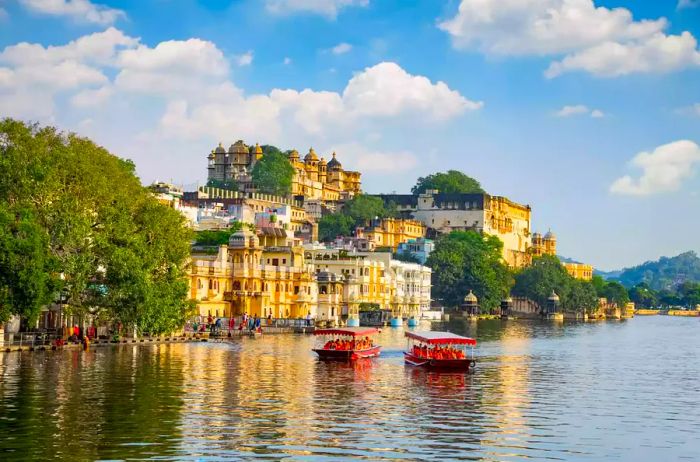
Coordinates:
(247, 277)
(547, 245)
(390, 232)
(544, 245)
(313, 178)
(579, 270)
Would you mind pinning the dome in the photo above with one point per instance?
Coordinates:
(334, 163)
(322, 161)
(293, 154)
(554, 297)
(550, 236)
(220, 149)
(238, 147)
(471, 298)
(257, 149)
(311, 156)
(536, 236)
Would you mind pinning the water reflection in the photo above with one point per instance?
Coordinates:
(625, 391)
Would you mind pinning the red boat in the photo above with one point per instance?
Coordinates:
(346, 344)
(440, 350)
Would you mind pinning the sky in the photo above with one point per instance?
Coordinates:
(587, 110)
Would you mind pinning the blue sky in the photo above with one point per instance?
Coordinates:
(589, 111)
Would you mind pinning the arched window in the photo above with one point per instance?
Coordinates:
(236, 285)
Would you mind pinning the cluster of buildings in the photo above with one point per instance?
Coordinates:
(281, 270)
(271, 273)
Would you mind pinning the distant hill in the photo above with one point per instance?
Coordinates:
(665, 273)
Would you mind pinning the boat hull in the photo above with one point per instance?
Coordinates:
(347, 355)
(439, 364)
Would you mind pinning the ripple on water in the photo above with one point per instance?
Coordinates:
(624, 391)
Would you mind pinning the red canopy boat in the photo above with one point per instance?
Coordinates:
(346, 343)
(439, 350)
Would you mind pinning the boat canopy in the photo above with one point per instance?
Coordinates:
(350, 331)
(441, 338)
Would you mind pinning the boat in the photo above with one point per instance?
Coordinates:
(439, 350)
(346, 343)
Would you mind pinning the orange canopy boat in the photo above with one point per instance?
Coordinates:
(346, 343)
(440, 350)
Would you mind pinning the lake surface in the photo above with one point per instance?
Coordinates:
(605, 391)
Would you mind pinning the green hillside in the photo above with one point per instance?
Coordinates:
(665, 273)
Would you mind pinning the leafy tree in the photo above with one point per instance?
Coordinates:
(273, 174)
(665, 273)
(407, 257)
(363, 208)
(25, 266)
(643, 296)
(452, 181)
(334, 225)
(547, 275)
(690, 294)
(616, 293)
(539, 280)
(217, 237)
(106, 240)
(467, 260)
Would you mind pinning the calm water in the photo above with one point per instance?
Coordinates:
(609, 391)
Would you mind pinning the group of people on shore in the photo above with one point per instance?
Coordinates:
(437, 352)
(347, 345)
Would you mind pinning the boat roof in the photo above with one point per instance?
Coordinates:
(351, 331)
(440, 338)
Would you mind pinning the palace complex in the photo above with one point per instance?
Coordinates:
(492, 215)
(269, 273)
(314, 177)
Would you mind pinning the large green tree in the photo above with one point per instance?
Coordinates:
(452, 181)
(464, 261)
(547, 275)
(334, 225)
(107, 242)
(273, 174)
(363, 208)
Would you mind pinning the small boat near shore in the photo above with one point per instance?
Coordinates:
(346, 343)
(440, 351)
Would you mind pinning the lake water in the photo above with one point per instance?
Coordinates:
(600, 391)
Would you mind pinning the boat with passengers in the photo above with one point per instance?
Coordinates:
(440, 350)
(346, 343)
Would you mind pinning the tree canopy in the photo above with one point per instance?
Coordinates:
(664, 273)
(76, 218)
(334, 225)
(467, 260)
(452, 181)
(547, 275)
(363, 208)
(273, 173)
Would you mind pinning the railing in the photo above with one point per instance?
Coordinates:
(224, 327)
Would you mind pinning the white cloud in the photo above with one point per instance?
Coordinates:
(3, 14)
(663, 170)
(579, 109)
(541, 27)
(246, 59)
(327, 8)
(688, 4)
(92, 97)
(606, 42)
(387, 90)
(79, 10)
(287, 61)
(177, 97)
(357, 157)
(341, 48)
(657, 54)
